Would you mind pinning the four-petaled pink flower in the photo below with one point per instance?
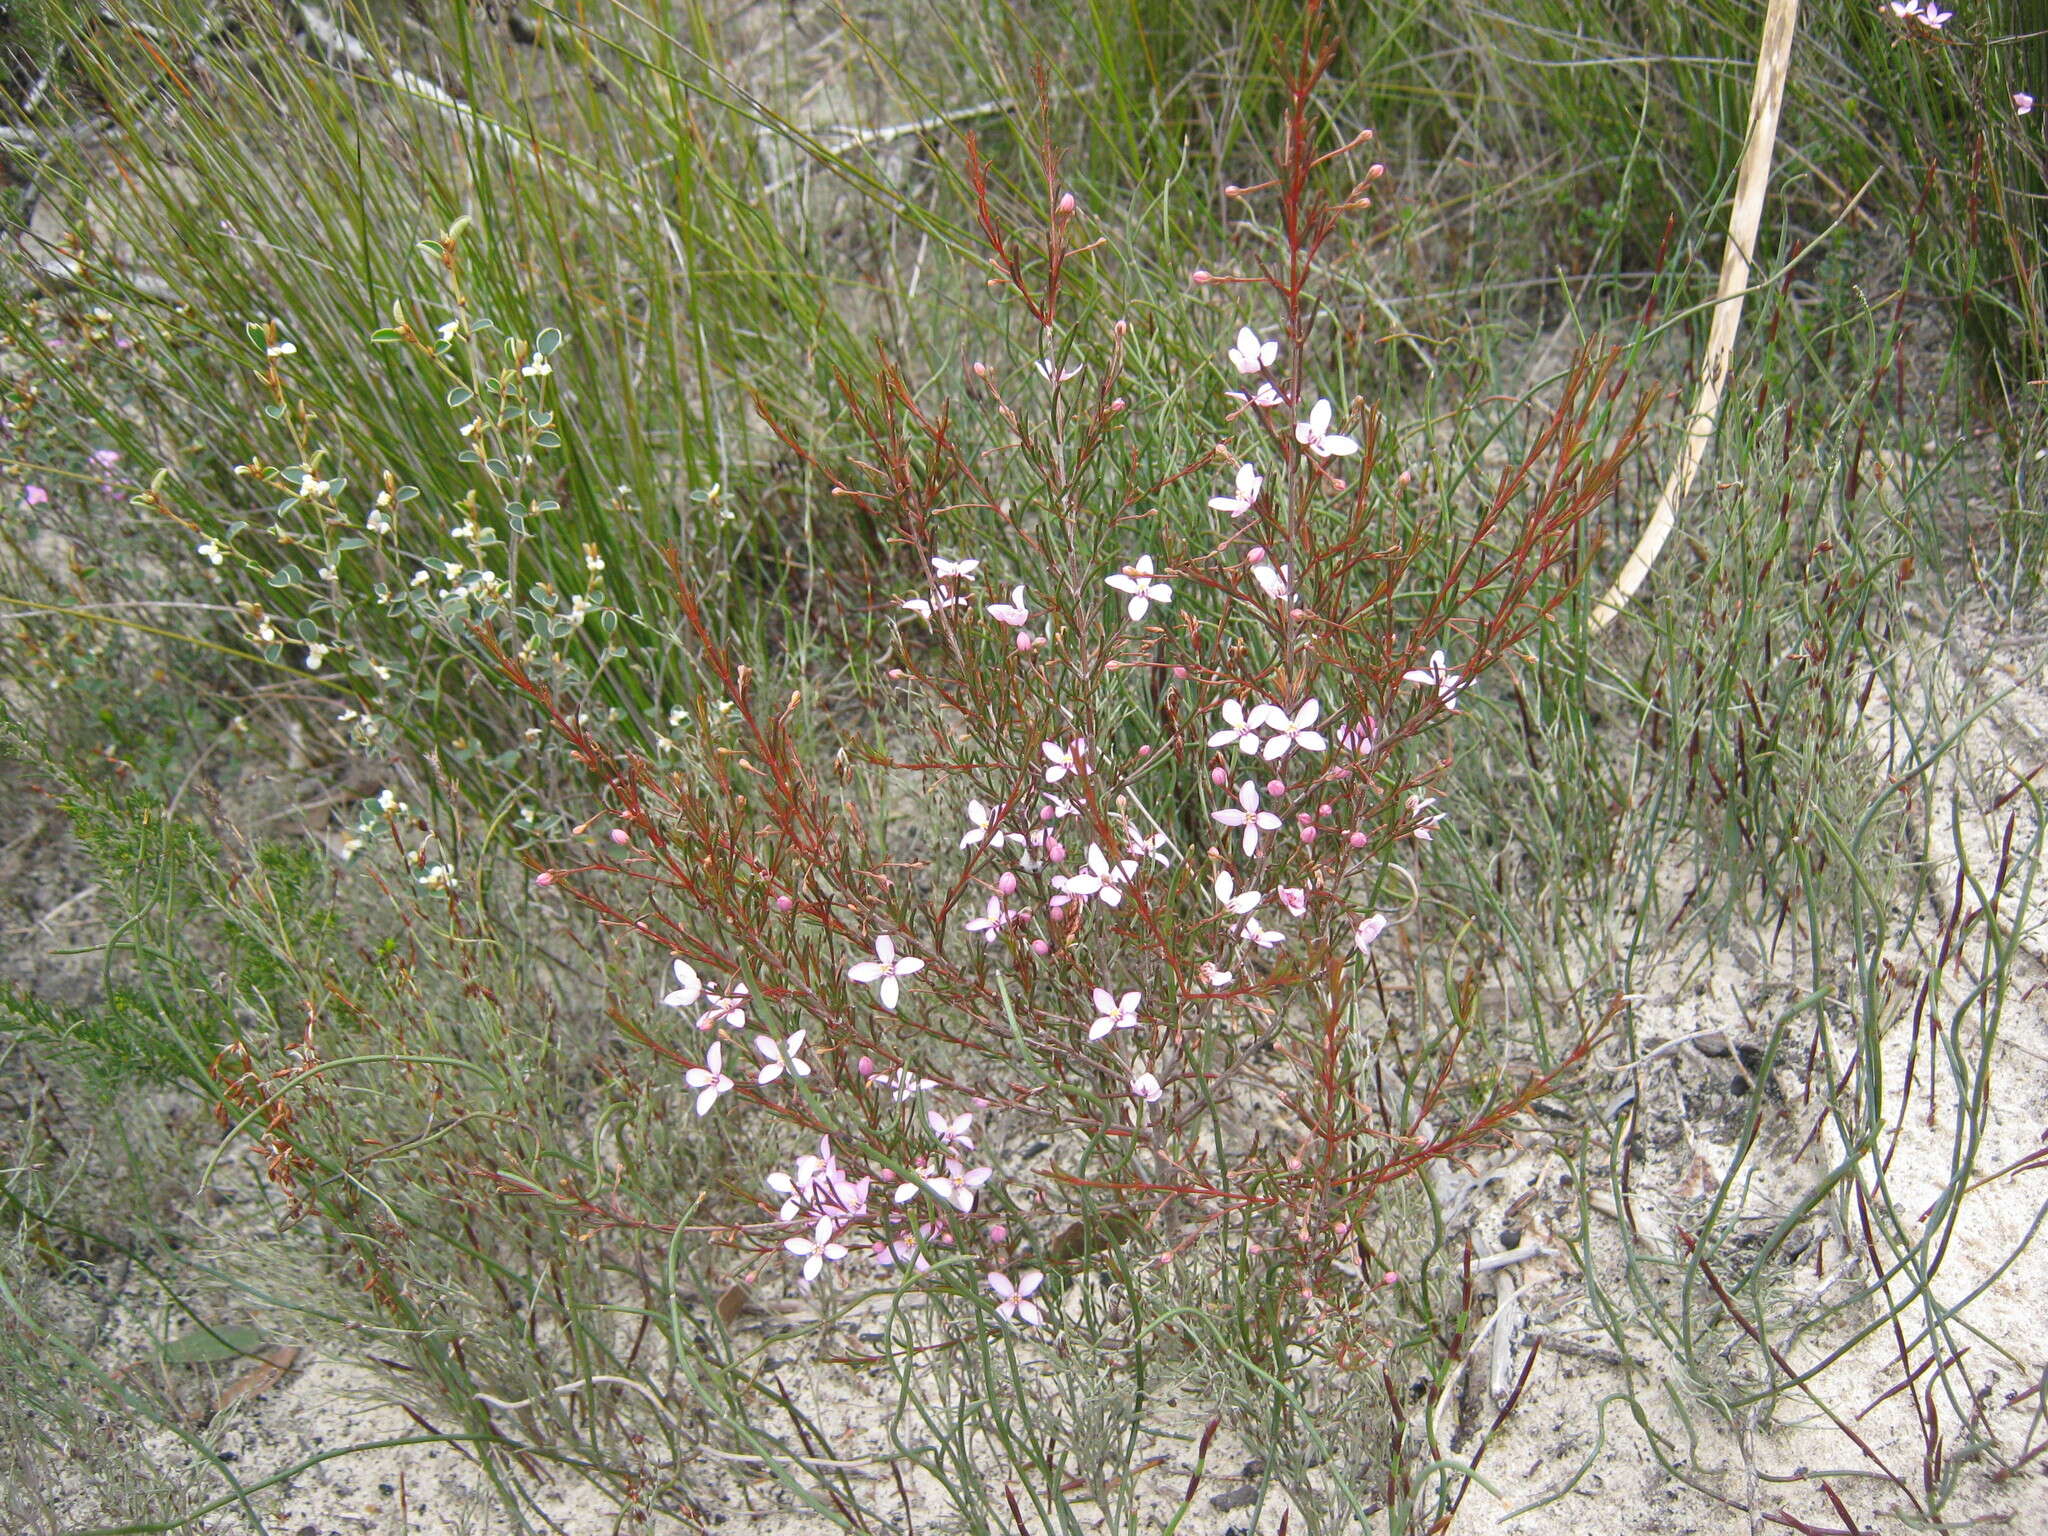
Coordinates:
(1100, 879)
(951, 570)
(780, 1056)
(2022, 103)
(1237, 903)
(1438, 675)
(1238, 727)
(1251, 355)
(995, 919)
(1246, 814)
(1065, 760)
(1290, 731)
(1012, 613)
(1249, 483)
(1266, 397)
(725, 1007)
(1934, 16)
(1144, 587)
(1113, 1012)
(885, 972)
(1257, 933)
(1145, 1089)
(817, 1250)
(1014, 1301)
(1426, 820)
(689, 987)
(1277, 582)
(1315, 435)
(985, 828)
(1294, 899)
(958, 1132)
(709, 1080)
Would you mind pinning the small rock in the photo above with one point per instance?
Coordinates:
(1237, 1498)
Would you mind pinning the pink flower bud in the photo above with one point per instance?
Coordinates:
(1303, 818)
(998, 1232)
(1276, 787)
(1357, 839)
(1006, 882)
(867, 1066)
(621, 836)
(1199, 276)
(1391, 1277)
(1180, 674)
(1040, 947)
(1121, 328)
(1024, 641)
(1308, 834)
(1066, 204)
(978, 369)
(1375, 170)
(545, 877)
(1405, 478)
(1218, 777)
(1325, 810)
(1045, 813)
(1144, 749)
(785, 904)
(1256, 555)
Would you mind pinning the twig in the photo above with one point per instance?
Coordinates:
(1773, 54)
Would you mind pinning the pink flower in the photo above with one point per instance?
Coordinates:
(2022, 103)
(885, 971)
(1012, 613)
(1266, 397)
(778, 1057)
(995, 919)
(1138, 580)
(1294, 899)
(1237, 903)
(1238, 727)
(1251, 355)
(1249, 483)
(1315, 435)
(1276, 582)
(1426, 820)
(1290, 731)
(1065, 760)
(688, 988)
(1145, 1089)
(1259, 935)
(1053, 373)
(817, 1250)
(1438, 675)
(1014, 1301)
(984, 828)
(34, 496)
(1113, 1012)
(1369, 929)
(1934, 16)
(1100, 879)
(1247, 815)
(956, 1133)
(954, 570)
(709, 1080)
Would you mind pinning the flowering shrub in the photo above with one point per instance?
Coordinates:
(1189, 726)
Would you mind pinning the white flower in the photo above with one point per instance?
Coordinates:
(1290, 731)
(213, 551)
(725, 1007)
(282, 349)
(1237, 903)
(1145, 1089)
(996, 918)
(1259, 934)
(1064, 760)
(1100, 879)
(780, 1056)
(1901, 9)
(1014, 1301)
(924, 607)
(1144, 587)
(1426, 820)
(377, 522)
(1315, 435)
(1276, 583)
(446, 330)
(1238, 727)
(709, 1080)
(309, 485)
(689, 987)
(315, 654)
(1249, 483)
(1246, 814)
(905, 1085)
(1437, 675)
(949, 570)
(1053, 373)
(1113, 1012)
(984, 828)
(817, 1250)
(1251, 355)
(1934, 16)
(1369, 929)
(1213, 977)
(885, 971)
(1012, 613)
(538, 368)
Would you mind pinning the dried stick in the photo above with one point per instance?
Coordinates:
(1766, 96)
